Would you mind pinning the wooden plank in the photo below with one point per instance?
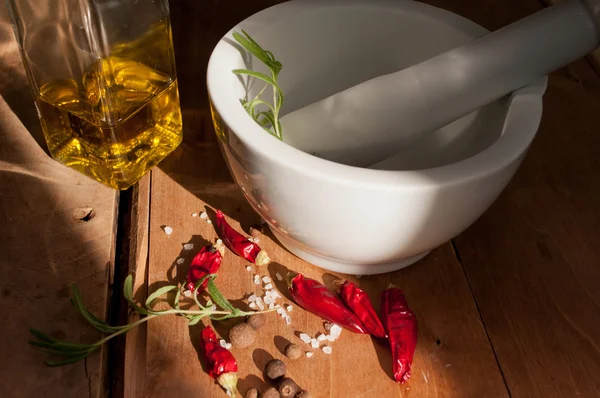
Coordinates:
(135, 345)
(56, 228)
(532, 260)
(453, 355)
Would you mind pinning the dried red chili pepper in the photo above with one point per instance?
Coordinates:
(220, 363)
(239, 244)
(358, 301)
(317, 299)
(401, 325)
(206, 262)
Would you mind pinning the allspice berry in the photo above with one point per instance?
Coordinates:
(303, 394)
(275, 369)
(293, 351)
(270, 393)
(242, 335)
(287, 388)
(257, 321)
(251, 393)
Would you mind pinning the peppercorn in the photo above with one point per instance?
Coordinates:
(242, 335)
(292, 351)
(251, 393)
(287, 388)
(275, 369)
(270, 393)
(303, 394)
(257, 321)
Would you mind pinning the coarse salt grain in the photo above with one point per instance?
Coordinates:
(278, 276)
(252, 297)
(252, 305)
(335, 331)
(187, 293)
(261, 306)
(289, 308)
(280, 311)
(308, 354)
(248, 268)
(277, 306)
(272, 306)
(321, 337)
(275, 294)
(213, 307)
(256, 240)
(259, 300)
(330, 338)
(268, 300)
(269, 286)
(219, 242)
(203, 215)
(188, 246)
(314, 343)
(168, 230)
(223, 343)
(228, 346)
(305, 338)
(208, 222)
(180, 260)
(327, 350)
(266, 279)
(194, 214)
(288, 320)
(256, 279)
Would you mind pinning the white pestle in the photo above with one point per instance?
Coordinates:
(376, 119)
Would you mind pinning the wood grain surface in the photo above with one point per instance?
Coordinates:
(56, 228)
(454, 356)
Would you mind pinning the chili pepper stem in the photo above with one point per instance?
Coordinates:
(262, 259)
(229, 382)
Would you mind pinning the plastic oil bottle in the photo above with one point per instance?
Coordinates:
(103, 78)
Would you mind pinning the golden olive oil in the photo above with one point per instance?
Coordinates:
(121, 119)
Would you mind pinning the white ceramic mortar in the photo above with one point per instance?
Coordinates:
(355, 220)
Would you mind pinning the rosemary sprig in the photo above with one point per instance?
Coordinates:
(71, 352)
(263, 113)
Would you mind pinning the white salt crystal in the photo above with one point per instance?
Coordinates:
(260, 305)
(330, 338)
(280, 311)
(168, 230)
(289, 308)
(277, 306)
(275, 294)
(228, 346)
(252, 305)
(188, 246)
(259, 300)
(269, 286)
(187, 293)
(248, 268)
(321, 337)
(327, 350)
(309, 354)
(203, 215)
(288, 320)
(335, 331)
(256, 279)
(194, 214)
(180, 260)
(266, 279)
(272, 306)
(223, 343)
(269, 300)
(256, 240)
(219, 242)
(278, 276)
(208, 222)
(213, 307)
(252, 298)
(305, 338)
(314, 343)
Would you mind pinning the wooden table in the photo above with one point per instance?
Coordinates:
(511, 307)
